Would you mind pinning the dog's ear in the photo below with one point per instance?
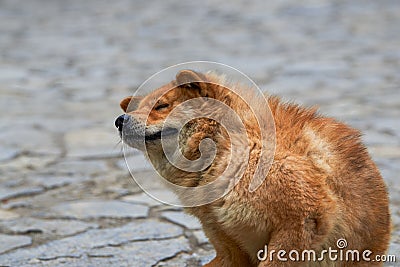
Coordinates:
(191, 79)
(130, 103)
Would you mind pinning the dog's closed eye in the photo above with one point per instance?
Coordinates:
(161, 106)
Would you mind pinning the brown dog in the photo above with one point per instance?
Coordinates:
(322, 185)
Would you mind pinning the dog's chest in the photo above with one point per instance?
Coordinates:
(245, 226)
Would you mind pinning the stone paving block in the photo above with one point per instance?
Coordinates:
(77, 89)
(163, 194)
(64, 262)
(53, 181)
(31, 140)
(395, 219)
(395, 238)
(394, 249)
(12, 73)
(388, 123)
(92, 240)
(9, 242)
(144, 253)
(53, 227)
(12, 204)
(201, 238)
(7, 153)
(85, 209)
(135, 162)
(394, 195)
(372, 138)
(204, 256)
(8, 215)
(181, 260)
(93, 142)
(182, 218)
(117, 190)
(141, 198)
(329, 68)
(78, 168)
(13, 192)
(149, 180)
(385, 151)
(28, 162)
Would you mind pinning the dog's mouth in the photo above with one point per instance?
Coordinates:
(158, 135)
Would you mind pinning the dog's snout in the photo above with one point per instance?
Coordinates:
(119, 122)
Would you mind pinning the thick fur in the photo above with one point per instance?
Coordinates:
(322, 184)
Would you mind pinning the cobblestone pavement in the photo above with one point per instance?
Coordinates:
(66, 196)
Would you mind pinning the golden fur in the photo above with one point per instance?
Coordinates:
(322, 184)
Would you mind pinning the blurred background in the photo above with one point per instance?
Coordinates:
(67, 198)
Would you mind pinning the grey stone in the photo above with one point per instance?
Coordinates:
(394, 194)
(32, 140)
(346, 109)
(394, 249)
(145, 253)
(93, 240)
(385, 151)
(8, 193)
(53, 227)
(204, 256)
(79, 168)
(395, 236)
(93, 142)
(117, 190)
(8, 215)
(13, 204)
(28, 162)
(168, 208)
(7, 153)
(182, 260)
(9, 242)
(76, 89)
(395, 220)
(388, 170)
(379, 138)
(289, 87)
(52, 181)
(149, 180)
(99, 209)
(135, 162)
(161, 194)
(389, 124)
(11, 74)
(181, 218)
(201, 238)
(317, 68)
(141, 198)
(63, 261)
(141, 230)
(121, 164)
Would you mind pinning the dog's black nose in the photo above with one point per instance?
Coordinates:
(119, 122)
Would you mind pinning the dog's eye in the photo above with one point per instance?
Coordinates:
(161, 106)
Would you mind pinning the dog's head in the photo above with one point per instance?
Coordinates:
(183, 116)
(146, 120)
